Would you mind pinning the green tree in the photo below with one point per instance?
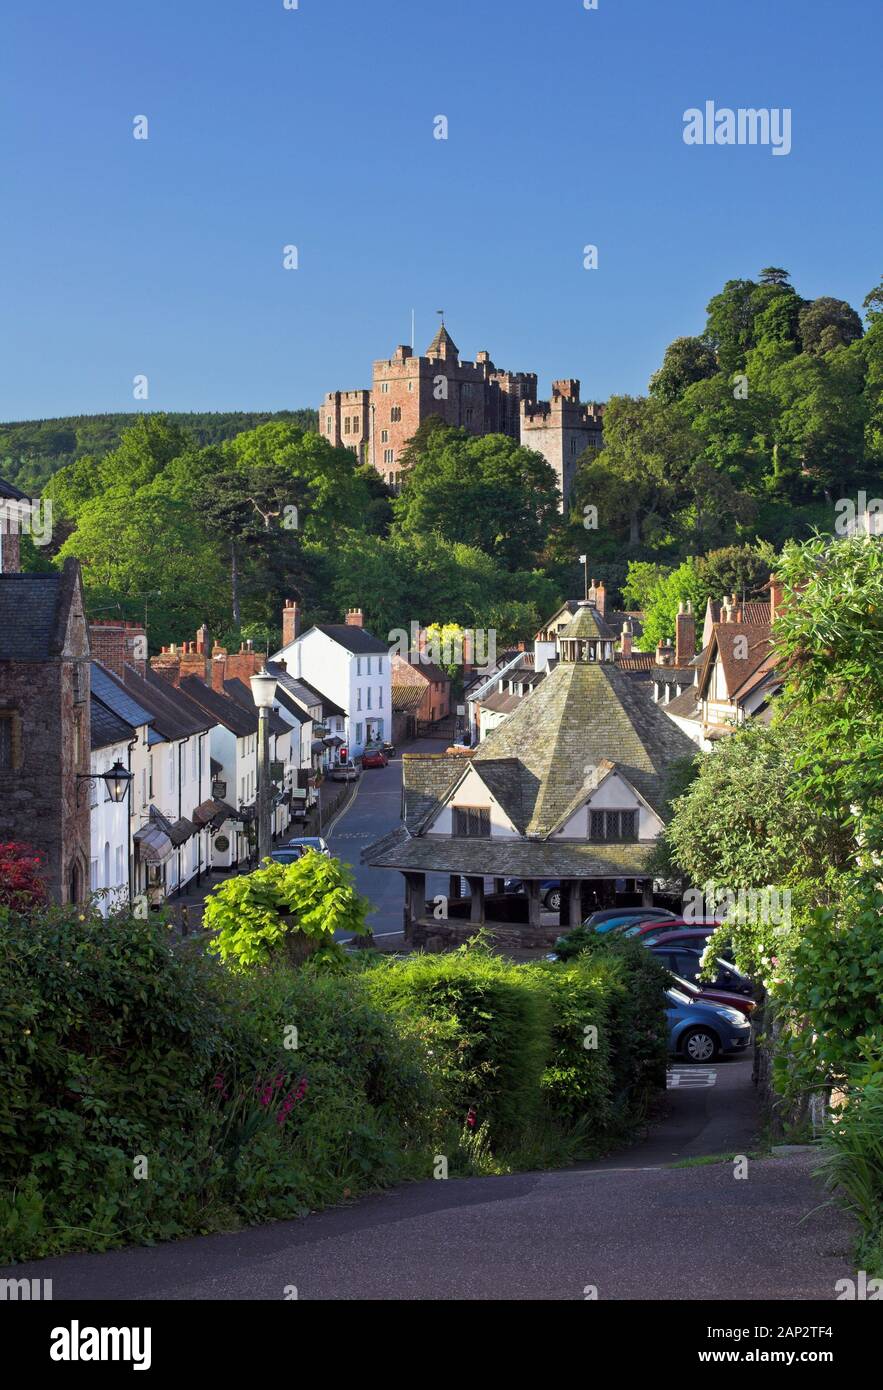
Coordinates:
(826, 323)
(686, 361)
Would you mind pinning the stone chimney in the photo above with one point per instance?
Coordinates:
(776, 592)
(726, 611)
(665, 654)
(117, 644)
(598, 596)
(685, 634)
(627, 634)
(354, 617)
(290, 622)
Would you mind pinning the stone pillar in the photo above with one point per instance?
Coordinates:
(574, 904)
(415, 901)
(454, 886)
(476, 900)
(534, 904)
(647, 893)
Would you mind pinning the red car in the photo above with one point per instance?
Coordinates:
(705, 994)
(374, 757)
(683, 936)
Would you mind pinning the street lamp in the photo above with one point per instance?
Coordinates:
(117, 779)
(263, 689)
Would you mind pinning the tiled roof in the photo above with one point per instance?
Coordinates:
(288, 702)
(407, 697)
(754, 612)
(501, 702)
(427, 669)
(685, 705)
(354, 639)
(736, 668)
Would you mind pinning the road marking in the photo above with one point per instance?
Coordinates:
(683, 1078)
(352, 801)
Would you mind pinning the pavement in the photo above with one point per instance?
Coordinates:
(628, 1227)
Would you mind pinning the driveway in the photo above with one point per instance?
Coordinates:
(629, 1227)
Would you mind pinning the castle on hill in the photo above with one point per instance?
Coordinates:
(477, 396)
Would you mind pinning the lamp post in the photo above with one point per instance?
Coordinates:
(263, 689)
(117, 779)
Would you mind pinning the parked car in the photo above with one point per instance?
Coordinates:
(683, 936)
(550, 891)
(348, 771)
(389, 749)
(686, 961)
(285, 856)
(305, 842)
(626, 924)
(374, 757)
(706, 994)
(702, 1032)
(605, 913)
(674, 923)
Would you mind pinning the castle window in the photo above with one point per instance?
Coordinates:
(469, 413)
(384, 436)
(355, 424)
(79, 683)
(388, 456)
(384, 388)
(395, 414)
(573, 446)
(410, 386)
(328, 424)
(346, 424)
(472, 822)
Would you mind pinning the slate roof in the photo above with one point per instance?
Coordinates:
(354, 639)
(302, 691)
(175, 714)
(229, 713)
(686, 705)
(288, 702)
(241, 693)
(11, 493)
(501, 702)
(509, 858)
(442, 340)
(105, 728)
(582, 713)
(34, 611)
(427, 669)
(112, 693)
(586, 622)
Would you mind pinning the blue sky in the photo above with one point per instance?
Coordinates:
(314, 127)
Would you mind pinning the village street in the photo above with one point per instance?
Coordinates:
(375, 809)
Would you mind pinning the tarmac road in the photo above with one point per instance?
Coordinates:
(629, 1227)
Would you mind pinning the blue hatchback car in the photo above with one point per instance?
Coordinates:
(701, 1032)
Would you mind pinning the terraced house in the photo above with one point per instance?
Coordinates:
(572, 787)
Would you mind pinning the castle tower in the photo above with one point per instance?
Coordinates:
(561, 430)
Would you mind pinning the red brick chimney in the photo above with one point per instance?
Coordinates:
(290, 622)
(776, 593)
(116, 644)
(685, 634)
(354, 617)
(598, 596)
(627, 634)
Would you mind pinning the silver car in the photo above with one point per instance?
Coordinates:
(345, 772)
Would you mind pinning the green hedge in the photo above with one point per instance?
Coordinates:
(147, 1093)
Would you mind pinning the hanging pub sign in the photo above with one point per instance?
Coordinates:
(219, 789)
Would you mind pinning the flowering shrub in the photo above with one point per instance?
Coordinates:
(22, 887)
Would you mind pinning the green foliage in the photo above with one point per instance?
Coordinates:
(487, 492)
(285, 908)
(853, 1161)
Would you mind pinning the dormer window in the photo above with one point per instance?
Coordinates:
(617, 826)
(472, 822)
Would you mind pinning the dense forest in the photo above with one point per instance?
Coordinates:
(748, 435)
(32, 450)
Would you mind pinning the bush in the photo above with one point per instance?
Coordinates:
(497, 1031)
(853, 1165)
(147, 1093)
